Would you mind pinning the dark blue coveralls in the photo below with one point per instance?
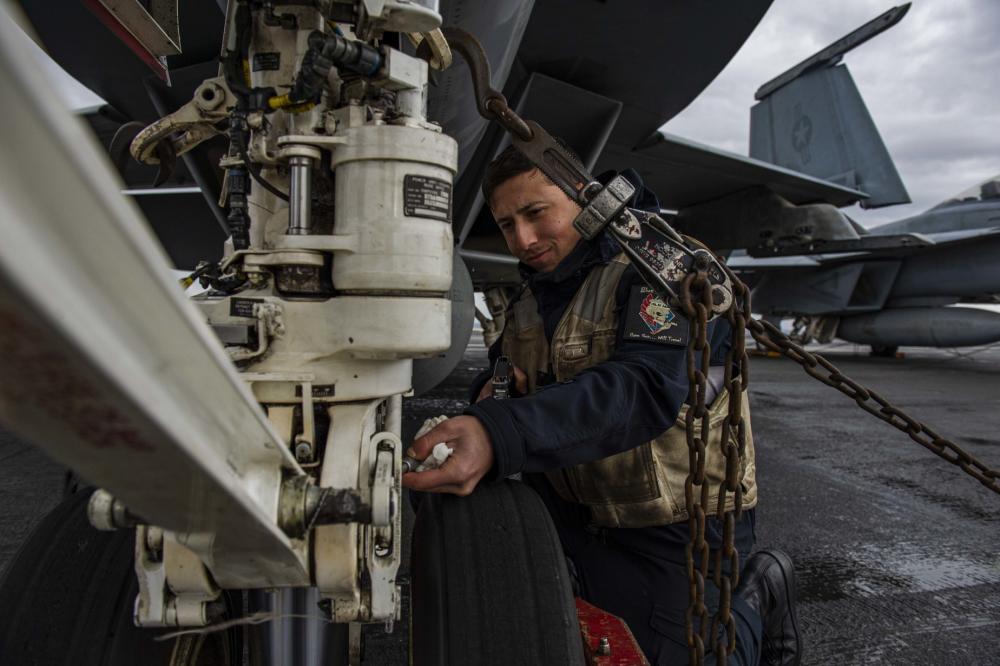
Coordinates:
(637, 574)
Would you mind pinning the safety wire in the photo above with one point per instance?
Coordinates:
(259, 617)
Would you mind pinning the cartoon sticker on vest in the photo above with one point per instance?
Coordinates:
(652, 320)
(656, 314)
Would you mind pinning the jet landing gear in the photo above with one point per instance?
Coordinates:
(490, 585)
(67, 597)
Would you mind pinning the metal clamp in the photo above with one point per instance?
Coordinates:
(303, 506)
(107, 513)
(269, 325)
(189, 125)
(386, 447)
(432, 47)
(606, 206)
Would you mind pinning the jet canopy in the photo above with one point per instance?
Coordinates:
(988, 190)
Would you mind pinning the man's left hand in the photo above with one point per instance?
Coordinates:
(470, 461)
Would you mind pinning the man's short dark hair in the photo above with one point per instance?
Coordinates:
(512, 162)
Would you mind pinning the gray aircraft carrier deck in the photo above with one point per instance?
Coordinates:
(897, 552)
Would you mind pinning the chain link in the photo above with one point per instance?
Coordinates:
(695, 485)
(816, 366)
(734, 447)
(695, 301)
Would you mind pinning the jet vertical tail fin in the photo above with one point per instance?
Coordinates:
(812, 119)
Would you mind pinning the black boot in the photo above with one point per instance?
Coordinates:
(767, 584)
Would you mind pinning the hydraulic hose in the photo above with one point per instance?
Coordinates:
(324, 53)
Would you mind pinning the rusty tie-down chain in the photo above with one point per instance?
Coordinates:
(695, 303)
(820, 368)
(733, 442)
(697, 551)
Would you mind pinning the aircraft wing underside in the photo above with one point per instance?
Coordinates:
(868, 247)
(684, 173)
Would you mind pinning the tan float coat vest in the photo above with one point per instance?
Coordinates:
(640, 487)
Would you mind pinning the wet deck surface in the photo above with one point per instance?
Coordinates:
(897, 553)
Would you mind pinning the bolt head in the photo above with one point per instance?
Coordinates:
(303, 452)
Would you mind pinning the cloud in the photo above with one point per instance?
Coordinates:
(929, 82)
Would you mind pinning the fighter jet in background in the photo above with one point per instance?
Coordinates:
(885, 287)
(893, 285)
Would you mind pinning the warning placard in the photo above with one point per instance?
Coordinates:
(243, 307)
(263, 62)
(427, 197)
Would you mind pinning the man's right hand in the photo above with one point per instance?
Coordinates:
(520, 385)
(471, 458)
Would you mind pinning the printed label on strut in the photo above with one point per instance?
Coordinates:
(266, 62)
(319, 390)
(427, 197)
(243, 307)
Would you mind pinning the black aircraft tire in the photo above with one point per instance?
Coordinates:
(67, 595)
(489, 582)
(67, 598)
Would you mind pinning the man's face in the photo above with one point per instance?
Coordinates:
(536, 219)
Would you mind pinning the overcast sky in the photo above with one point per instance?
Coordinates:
(931, 83)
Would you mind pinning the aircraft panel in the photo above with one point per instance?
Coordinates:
(684, 173)
(75, 38)
(654, 56)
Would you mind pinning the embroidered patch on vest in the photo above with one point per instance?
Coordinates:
(651, 320)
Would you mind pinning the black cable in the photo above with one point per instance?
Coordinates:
(233, 71)
(255, 173)
(324, 53)
(232, 61)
